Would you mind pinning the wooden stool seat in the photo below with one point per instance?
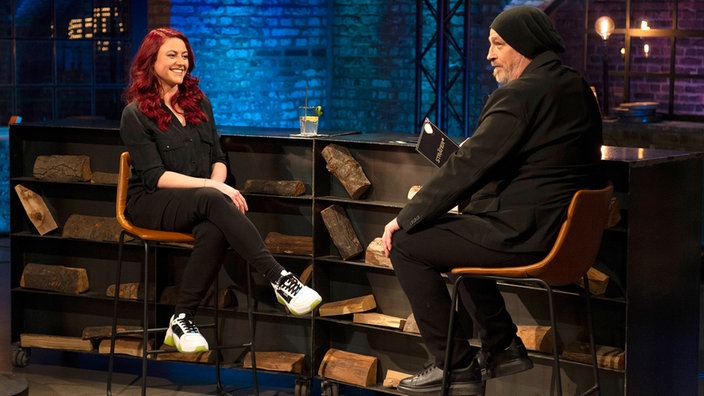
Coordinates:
(121, 203)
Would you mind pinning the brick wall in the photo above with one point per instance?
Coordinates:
(482, 81)
(689, 55)
(373, 69)
(158, 13)
(256, 58)
(357, 59)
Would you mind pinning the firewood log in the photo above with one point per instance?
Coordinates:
(348, 367)
(606, 356)
(103, 178)
(537, 338)
(393, 378)
(287, 362)
(28, 340)
(125, 346)
(55, 278)
(36, 210)
(94, 228)
(62, 168)
(348, 171)
(288, 188)
(378, 319)
(375, 255)
(278, 243)
(341, 232)
(348, 306)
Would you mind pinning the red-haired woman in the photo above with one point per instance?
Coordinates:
(178, 181)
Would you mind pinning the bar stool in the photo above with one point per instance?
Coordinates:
(573, 253)
(150, 240)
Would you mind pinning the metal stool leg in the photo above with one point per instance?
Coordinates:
(250, 344)
(145, 318)
(250, 319)
(592, 344)
(113, 335)
(448, 348)
(557, 380)
(218, 381)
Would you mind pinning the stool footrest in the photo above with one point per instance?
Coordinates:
(231, 346)
(158, 351)
(140, 331)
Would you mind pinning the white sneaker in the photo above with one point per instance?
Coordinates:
(184, 335)
(297, 297)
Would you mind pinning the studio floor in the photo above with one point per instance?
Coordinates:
(53, 380)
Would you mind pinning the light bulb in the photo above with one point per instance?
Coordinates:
(604, 26)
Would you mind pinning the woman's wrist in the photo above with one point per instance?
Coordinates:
(205, 182)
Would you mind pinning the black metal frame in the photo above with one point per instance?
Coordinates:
(556, 382)
(445, 77)
(145, 331)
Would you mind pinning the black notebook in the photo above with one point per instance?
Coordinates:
(434, 144)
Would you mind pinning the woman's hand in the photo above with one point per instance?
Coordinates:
(231, 192)
(176, 180)
(218, 175)
(389, 230)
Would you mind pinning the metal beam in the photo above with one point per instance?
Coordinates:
(442, 83)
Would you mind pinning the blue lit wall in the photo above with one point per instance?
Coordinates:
(256, 59)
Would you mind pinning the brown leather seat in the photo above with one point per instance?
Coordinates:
(571, 256)
(150, 239)
(121, 204)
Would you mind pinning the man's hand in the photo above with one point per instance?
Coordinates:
(389, 230)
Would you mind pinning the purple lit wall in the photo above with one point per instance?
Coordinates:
(649, 74)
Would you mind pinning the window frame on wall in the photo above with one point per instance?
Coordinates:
(631, 65)
(55, 64)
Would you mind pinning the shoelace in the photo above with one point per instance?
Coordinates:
(427, 369)
(290, 285)
(187, 325)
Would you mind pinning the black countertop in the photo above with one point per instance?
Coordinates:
(660, 140)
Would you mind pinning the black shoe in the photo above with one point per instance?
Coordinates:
(464, 381)
(510, 360)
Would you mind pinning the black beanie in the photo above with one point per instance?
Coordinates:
(528, 30)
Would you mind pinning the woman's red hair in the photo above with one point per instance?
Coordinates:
(145, 87)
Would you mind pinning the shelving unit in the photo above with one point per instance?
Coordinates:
(35, 311)
(654, 252)
(658, 237)
(260, 154)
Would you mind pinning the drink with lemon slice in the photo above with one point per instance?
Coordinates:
(308, 116)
